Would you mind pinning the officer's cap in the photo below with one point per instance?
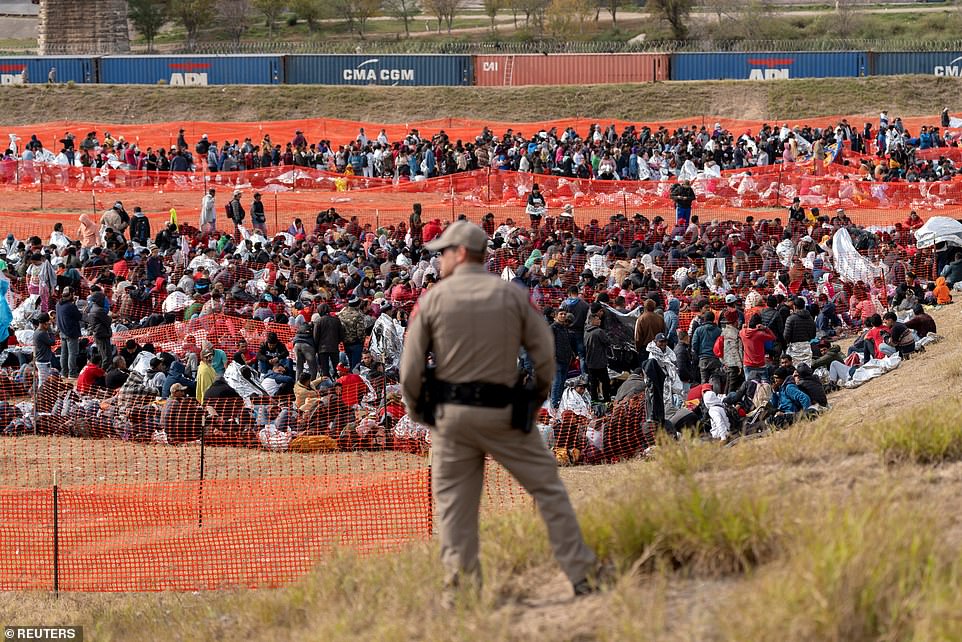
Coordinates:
(460, 234)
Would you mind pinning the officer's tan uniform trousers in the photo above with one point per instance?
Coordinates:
(459, 442)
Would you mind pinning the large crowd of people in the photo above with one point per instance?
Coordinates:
(883, 151)
(293, 340)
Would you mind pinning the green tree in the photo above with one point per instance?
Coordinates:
(193, 15)
(148, 17)
(356, 12)
(534, 12)
(310, 11)
(403, 10)
(611, 6)
(271, 10)
(675, 12)
(491, 9)
(443, 10)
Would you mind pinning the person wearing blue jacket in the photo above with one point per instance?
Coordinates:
(788, 399)
(703, 346)
(175, 374)
(671, 322)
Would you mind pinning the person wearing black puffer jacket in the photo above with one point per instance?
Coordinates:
(808, 383)
(799, 332)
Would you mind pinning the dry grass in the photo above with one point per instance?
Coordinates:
(805, 535)
(906, 95)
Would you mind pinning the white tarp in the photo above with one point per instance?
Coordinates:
(872, 369)
(939, 229)
(850, 265)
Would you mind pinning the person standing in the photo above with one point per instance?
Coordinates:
(473, 417)
(208, 212)
(98, 323)
(578, 308)
(305, 352)
(649, 324)
(355, 325)
(328, 335)
(258, 217)
(564, 350)
(43, 342)
(684, 196)
(596, 344)
(703, 344)
(754, 336)
(140, 227)
(799, 331)
(235, 212)
(68, 325)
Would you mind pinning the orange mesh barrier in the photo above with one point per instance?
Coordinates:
(27, 212)
(341, 131)
(174, 495)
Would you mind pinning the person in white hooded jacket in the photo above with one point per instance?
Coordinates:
(665, 357)
(720, 425)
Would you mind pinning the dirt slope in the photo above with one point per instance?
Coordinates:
(904, 95)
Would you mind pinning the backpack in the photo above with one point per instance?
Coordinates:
(229, 211)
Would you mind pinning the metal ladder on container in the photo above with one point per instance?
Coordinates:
(508, 70)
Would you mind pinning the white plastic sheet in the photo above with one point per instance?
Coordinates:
(872, 369)
(939, 229)
(849, 264)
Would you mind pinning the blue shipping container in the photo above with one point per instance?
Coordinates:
(768, 65)
(938, 63)
(378, 70)
(192, 70)
(38, 68)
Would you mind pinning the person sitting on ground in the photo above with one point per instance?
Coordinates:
(175, 374)
(898, 337)
(307, 392)
(788, 400)
(921, 322)
(273, 353)
(117, 374)
(181, 418)
(831, 359)
(942, 294)
(244, 356)
(633, 385)
(91, 376)
(808, 383)
(715, 405)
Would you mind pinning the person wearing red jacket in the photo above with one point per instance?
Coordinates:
(352, 386)
(754, 336)
(914, 221)
(431, 230)
(91, 376)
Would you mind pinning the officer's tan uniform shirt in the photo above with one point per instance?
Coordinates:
(475, 323)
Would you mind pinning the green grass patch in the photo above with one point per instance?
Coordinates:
(932, 434)
(857, 574)
(683, 525)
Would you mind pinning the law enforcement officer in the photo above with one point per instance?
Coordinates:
(474, 324)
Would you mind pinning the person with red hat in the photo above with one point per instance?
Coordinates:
(351, 386)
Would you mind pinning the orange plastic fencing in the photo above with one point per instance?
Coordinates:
(340, 131)
(173, 495)
(26, 210)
